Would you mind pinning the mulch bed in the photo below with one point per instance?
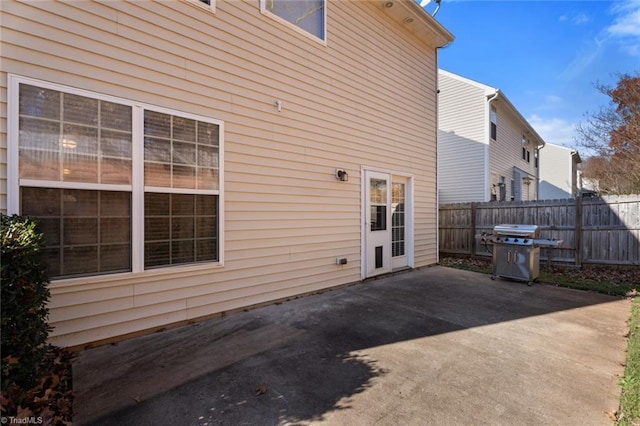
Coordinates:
(50, 402)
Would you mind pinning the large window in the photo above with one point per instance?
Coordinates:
(306, 15)
(115, 186)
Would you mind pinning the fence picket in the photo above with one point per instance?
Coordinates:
(602, 230)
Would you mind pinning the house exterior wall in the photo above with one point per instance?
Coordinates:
(558, 172)
(366, 98)
(505, 153)
(462, 140)
(471, 165)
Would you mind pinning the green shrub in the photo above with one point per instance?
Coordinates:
(25, 293)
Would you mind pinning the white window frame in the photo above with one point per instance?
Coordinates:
(137, 188)
(211, 6)
(266, 12)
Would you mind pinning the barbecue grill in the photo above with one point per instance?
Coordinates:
(516, 251)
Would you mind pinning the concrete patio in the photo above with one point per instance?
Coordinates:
(431, 346)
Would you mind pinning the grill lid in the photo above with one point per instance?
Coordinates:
(516, 230)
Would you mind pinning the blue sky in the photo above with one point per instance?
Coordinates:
(544, 55)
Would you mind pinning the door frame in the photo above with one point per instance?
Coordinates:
(366, 172)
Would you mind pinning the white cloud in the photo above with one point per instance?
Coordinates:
(576, 19)
(626, 26)
(558, 131)
(590, 52)
(580, 19)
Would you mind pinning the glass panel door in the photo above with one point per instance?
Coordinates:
(378, 229)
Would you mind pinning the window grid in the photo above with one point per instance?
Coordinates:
(103, 131)
(398, 220)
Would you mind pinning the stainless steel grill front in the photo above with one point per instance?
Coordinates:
(516, 251)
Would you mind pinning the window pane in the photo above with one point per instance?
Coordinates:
(115, 116)
(171, 140)
(184, 177)
(157, 254)
(66, 141)
(306, 14)
(397, 219)
(182, 252)
(378, 218)
(115, 144)
(39, 102)
(156, 204)
(208, 156)
(182, 204)
(39, 134)
(115, 230)
(206, 249)
(206, 205)
(157, 174)
(80, 231)
(86, 232)
(157, 124)
(184, 153)
(184, 129)
(208, 133)
(79, 168)
(157, 228)
(180, 228)
(157, 150)
(116, 171)
(208, 178)
(80, 260)
(80, 109)
(116, 258)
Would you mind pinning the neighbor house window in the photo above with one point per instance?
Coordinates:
(493, 118)
(306, 15)
(91, 176)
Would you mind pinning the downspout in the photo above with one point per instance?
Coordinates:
(487, 174)
(538, 148)
(437, 162)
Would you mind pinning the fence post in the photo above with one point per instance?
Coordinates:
(474, 206)
(578, 232)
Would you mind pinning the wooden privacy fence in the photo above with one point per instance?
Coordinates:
(603, 230)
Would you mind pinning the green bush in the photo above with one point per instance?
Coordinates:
(25, 293)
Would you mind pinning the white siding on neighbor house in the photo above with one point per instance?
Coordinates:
(462, 140)
(557, 172)
(366, 98)
(506, 152)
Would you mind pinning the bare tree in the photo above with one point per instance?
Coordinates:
(613, 133)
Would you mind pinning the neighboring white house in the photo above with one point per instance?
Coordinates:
(558, 172)
(486, 149)
(192, 158)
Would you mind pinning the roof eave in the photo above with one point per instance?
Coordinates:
(417, 20)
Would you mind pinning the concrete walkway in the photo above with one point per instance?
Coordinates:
(433, 346)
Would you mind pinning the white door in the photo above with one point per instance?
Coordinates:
(377, 223)
(400, 222)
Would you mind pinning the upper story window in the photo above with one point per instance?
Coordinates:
(207, 4)
(306, 15)
(493, 118)
(115, 186)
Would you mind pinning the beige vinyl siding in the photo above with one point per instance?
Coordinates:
(557, 172)
(367, 98)
(462, 141)
(506, 152)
